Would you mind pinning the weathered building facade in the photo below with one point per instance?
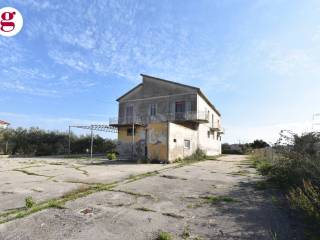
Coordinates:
(164, 121)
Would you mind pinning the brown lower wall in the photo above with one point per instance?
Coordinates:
(154, 136)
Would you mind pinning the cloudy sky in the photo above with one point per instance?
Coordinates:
(258, 61)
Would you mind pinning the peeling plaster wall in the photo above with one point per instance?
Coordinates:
(157, 141)
(181, 133)
(124, 145)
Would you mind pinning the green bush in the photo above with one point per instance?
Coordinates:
(307, 199)
(111, 156)
(198, 155)
(38, 142)
(294, 164)
(29, 202)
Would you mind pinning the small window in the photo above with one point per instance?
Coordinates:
(180, 107)
(129, 110)
(153, 109)
(208, 134)
(174, 140)
(129, 132)
(187, 144)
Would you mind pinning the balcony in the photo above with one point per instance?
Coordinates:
(199, 117)
(217, 127)
(189, 116)
(125, 121)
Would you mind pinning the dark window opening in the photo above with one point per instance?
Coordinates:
(153, 109)
(174, 140)
(180, 107)
(129, 132)
(187, 144)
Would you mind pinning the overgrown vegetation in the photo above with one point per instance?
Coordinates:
(294, 165)
(37, 142)
(198, 155)
(218, 199)
(111, 156)
(243, 148)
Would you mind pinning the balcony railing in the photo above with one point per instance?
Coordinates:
(175, 117)
(189, 116)
(217, 127)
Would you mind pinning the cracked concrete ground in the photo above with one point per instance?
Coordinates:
(47, 178)
(204, 200)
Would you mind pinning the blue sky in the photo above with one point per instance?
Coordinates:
(258, 61)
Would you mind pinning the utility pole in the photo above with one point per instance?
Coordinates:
(69, 143)
(91, 147)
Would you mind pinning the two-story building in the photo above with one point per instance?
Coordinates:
(3, 124)
(164, 120)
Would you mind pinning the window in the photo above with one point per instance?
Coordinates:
(212, 122)
(129, 110)
(174, 140)
(208, 134)
(129, 113)
(180, 107)
(153, 109)
(129, 132)
(187, 144)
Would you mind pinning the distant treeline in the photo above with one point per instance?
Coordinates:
(243, 148)
(38, 142)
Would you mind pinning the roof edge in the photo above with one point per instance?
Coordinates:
(168, 81)
(208, 102)
(118, 99)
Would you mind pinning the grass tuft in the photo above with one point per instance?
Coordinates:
(29, 202)
(163, 236)
(218, 199)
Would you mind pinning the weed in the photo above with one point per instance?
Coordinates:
(186, 233)
(111, 156)
(29, 202)
(307, 199)
(163, 236)
(217, 199)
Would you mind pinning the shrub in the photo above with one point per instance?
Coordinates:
(307, 199)
(294, 164)
(29, 202)
(111, 156)
(35, 141)
(198, 155)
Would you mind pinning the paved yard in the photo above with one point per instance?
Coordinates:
(214, 199)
